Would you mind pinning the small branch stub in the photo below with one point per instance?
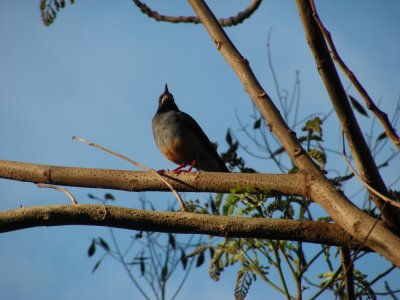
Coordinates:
(64, 190)
(297, 152)
(218, 44)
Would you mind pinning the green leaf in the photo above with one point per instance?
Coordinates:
(248, 188)
(57, 5)
(218, 200)
(318, 155)
(184, 259)
(96, 265)
(142, 267)
(225, 209)
(92, 248)
(240, 212)
(230, 210)
(212, 251)
(381, 137)
(213, 208)
(358, 107)
(164, 273)
(104, 244)
(171, 240)
(196, 251)
(257, 124)
(200, 259)
(109, 196)
(313, 125)
(234, 147)
(228, 137)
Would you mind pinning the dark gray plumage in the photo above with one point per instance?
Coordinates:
(180, 138)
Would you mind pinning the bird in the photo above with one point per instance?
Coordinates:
(181, 140)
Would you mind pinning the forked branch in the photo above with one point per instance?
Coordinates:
(339, 208)
(380, 115)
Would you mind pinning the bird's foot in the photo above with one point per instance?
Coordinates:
(180, 169)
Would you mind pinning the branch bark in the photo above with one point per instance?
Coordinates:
(342, 211)
(272, 184)
(231, 21)
(177, 222)
(358, 146)
(379, 114)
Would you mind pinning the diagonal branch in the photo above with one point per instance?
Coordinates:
(231, 21)
(380, 115)
(358, 146)
(176, 222)
(340, 209)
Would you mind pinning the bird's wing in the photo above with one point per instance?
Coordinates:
(192, 124)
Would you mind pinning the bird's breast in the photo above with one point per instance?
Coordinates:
(173, 138)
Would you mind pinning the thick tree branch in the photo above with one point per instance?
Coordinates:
(380, 115)
(292, 184)
(358, 146)
(231, 21)
(342, 211)
(177, 222)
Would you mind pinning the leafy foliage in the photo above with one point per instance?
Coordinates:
(358, 107)
(50, 8)
(245, 278)
(231, 156)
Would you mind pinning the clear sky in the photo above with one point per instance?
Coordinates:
(97, 73)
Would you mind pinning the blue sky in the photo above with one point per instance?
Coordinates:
(97, 73)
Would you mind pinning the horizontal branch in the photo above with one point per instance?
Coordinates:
(175, 222)
(288, 184)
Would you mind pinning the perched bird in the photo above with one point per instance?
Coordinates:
(181, 140)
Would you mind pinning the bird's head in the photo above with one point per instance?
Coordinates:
(166, 101)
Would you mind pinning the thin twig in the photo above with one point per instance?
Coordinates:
(348, 269)
(370, 188)
(177, 196)
(121, 259)
(226, 22)
(64, 190)
(351, 263)
(382, 116)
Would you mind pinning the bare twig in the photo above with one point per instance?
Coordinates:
(348, 270)
(64, 190)
(381, 116)
(177, 196)
(380, 276)
(370, 188)
(231, 21)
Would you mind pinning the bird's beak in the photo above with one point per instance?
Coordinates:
(166, 89)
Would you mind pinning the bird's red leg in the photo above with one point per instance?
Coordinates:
(179, 169)
(192, 165)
